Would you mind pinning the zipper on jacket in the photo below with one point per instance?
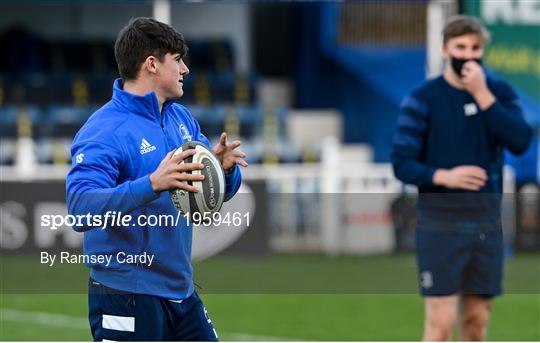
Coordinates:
(168, 141)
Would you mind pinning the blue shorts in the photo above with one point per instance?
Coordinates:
(123, 316)
(460, 258)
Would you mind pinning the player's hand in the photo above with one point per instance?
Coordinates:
(171, 175)
(473, 79)
(227, 155)
(470, 178)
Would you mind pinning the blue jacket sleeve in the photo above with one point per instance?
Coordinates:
(232, 182)
(92, 183)
(233, 179)
(408, 144)
(505, 122)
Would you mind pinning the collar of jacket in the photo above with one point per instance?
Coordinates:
(145, 105)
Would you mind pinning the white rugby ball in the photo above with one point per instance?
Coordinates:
(211, 193)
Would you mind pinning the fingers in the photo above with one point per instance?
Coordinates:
(476, 172)
(183, 167)
(239, 153)
(473, 178)
(185, 186)
(182, 156)
(181, 181)
(471, 66)
(480, 179)
(235, 144)
(218, 149)
(223, 139)
(227, 153)
(468, 177)
(172, 174)
(189, 177)
(473, 182)
(169, 155)
(466, 75)
(471, 70)
(235, 157)
(241, 162)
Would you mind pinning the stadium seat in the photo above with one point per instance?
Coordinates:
(7, 151)
(10, 116)
(67, 119)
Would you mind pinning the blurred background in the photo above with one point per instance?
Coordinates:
(313, 91)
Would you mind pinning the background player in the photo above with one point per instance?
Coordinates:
(449, 142)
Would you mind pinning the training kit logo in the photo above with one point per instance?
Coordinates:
(79, 158)
(185, 133)
(146, 147)
(426, 279)
(470, 109)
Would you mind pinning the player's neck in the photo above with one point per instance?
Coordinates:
(142, 87)
(452, 79)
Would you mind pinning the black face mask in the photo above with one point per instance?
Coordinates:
(457, 64)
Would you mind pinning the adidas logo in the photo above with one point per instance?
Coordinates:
(146, 147)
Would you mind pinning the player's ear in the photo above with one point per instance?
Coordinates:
(444, 51)
(150, 64)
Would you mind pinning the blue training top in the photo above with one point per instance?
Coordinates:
(113, 155)
(441, 126)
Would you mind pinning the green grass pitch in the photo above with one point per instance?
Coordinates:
(301, 307)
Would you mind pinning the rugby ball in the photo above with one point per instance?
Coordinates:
(209, 199)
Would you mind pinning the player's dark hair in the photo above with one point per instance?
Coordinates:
(143, 37)
(460, 25)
